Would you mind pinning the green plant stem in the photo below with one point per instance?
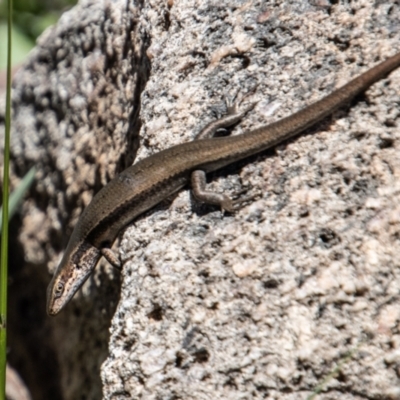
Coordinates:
(4, 234)
(334, 372)
(18, 194)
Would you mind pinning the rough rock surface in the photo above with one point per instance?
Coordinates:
(260, 304)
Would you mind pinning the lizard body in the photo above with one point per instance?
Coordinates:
(151, 180)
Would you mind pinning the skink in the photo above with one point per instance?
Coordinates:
(148, 182)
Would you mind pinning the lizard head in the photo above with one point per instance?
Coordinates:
(73, 270)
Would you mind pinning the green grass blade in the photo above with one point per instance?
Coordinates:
(334, 372)
(4, 230)
(17, 195)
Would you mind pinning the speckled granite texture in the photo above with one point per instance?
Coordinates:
(260, 304)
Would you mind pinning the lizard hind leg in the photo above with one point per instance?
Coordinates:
(233, 103)
(231, 117)
(198, 181)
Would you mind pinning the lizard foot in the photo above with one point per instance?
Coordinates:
(111, 257)
(239, 201)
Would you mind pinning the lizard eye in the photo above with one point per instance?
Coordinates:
(59, 289)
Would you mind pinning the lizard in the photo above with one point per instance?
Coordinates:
(155, 178)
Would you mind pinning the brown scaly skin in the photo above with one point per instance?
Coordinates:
(146, 183)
